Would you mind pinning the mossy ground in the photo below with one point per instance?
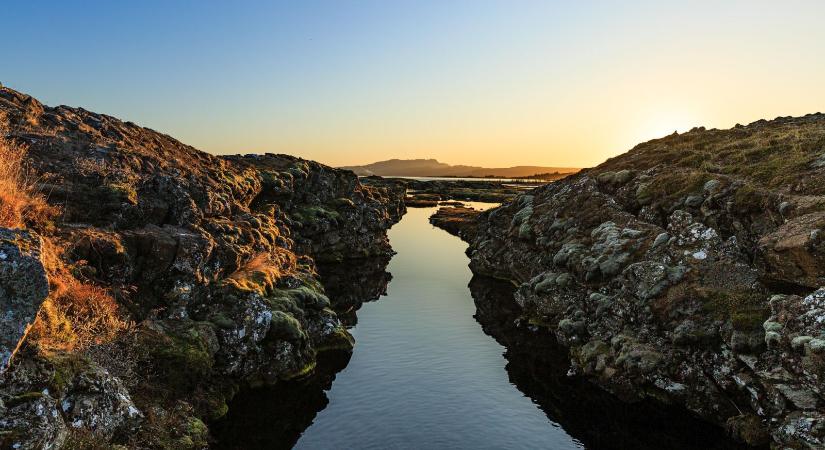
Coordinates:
(780, 155)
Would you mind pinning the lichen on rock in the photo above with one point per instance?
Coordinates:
(687, 271)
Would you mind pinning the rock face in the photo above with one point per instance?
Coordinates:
(23, 287)
(212, 260)
(456, 220)
(687, 271)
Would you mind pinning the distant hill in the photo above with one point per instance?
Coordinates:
(434, 168)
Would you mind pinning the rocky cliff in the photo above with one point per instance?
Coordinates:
(165, 278)
(688, 270)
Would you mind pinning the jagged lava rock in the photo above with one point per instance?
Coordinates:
(213, 258)
(685, 270)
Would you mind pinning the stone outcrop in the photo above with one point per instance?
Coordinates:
(686, 271)
(23, 288)
(211, 259)
(425, 193)
(456, 220)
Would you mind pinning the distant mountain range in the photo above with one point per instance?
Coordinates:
(434, 168)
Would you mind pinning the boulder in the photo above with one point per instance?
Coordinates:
(23, 288)
(795, 252)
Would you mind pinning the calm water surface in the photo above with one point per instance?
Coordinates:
(423, 373)
(440, 362)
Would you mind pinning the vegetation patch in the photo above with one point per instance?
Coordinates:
(312, 214)
(746, 310)
(670, 187)
(20, 201)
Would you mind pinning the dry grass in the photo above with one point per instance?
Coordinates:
(20, 201)
(76, 316)
(262, 271)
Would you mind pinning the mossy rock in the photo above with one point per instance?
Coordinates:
(340, 339)
(746, 310)
(285, 326)
(748, 198)
(303, 371)
(342, 203)
(309, 298)
(181, 356)
(669, 188)
(118, 193)
(222, 321)
(65, 368)
(590, 351)
(311, 214)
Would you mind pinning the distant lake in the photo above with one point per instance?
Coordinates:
(500, 180)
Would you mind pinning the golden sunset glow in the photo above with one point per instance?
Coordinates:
(493, 84)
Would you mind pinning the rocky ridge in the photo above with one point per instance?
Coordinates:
(209, 265)
(688, 270)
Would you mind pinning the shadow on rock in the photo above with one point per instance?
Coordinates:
(538, 367)
(274, 417)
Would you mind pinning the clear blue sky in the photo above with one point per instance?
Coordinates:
(478, 82)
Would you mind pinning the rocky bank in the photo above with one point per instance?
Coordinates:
(201, 268)
(689, 270)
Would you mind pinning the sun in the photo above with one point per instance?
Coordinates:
(659, 124)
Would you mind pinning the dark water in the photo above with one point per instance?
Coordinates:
(438, 364)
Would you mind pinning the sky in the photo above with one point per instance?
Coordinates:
(490, 83)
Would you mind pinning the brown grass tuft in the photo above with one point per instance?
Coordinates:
(261, 272)
(77, 316)
(19, 200)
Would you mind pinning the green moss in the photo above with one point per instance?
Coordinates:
(310, 295)
(745, 310)
(221, 321)
(65, 368)
(198, 432)
(748, 198)
(118, 193)
(180, 357)
(285, 326)
(309, 214)
(299, 170)
(665, 189)
(539, 322)
(338, 340)
(301, 372)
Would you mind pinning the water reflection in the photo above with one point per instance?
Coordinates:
(274, 417)
(538, 366)
(350, 284)
(424, 375)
